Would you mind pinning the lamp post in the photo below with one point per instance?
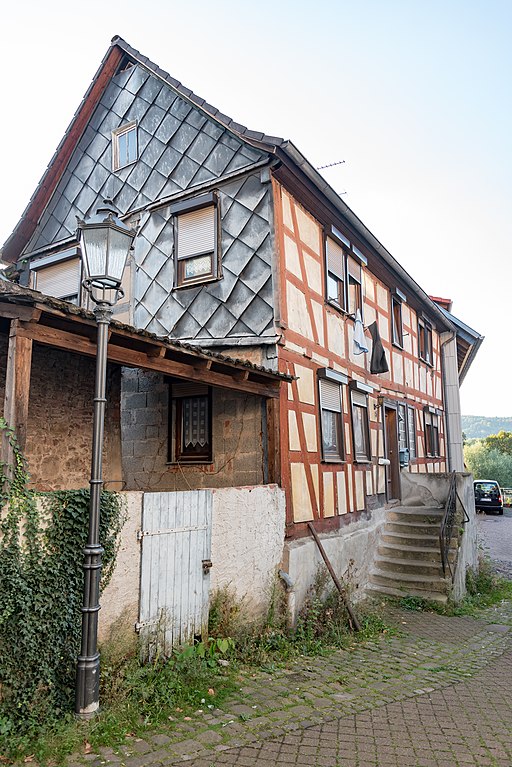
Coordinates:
(105, 243)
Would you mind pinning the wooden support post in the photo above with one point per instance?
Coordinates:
(17, 389)
(273, 441)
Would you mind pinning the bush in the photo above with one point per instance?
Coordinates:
(41, 586)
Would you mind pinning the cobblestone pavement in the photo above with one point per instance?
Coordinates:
(437, 693)
(495, 537)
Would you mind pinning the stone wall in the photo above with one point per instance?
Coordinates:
(59, 434)
(237, 438)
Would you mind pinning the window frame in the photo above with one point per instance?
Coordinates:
(183, 208)
(325, 378)
(357, 393)
(352, 252)
(176, 453)
(432, 432)
(425, 342)
(116, 135)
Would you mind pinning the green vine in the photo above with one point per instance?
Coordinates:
(42, 536)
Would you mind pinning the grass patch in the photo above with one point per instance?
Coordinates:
(138, 698)
(485, 588)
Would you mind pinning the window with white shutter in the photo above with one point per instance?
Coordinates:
(331, 420)
(195, 241)
(60, 279)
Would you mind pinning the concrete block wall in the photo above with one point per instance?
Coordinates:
(237, 438)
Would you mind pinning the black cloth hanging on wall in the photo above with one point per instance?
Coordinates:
(378, 362)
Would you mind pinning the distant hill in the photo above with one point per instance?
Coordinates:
(477, 426)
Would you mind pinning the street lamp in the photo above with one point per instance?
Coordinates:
(105, 243)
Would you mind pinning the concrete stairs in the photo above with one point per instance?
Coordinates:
(408, 561)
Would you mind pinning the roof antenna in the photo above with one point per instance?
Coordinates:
(331, 164)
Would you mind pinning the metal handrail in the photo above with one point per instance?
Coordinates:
(446, 530)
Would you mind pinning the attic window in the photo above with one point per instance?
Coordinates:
(124, 146)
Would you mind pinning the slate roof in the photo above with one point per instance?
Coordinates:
(242, 130)
(281, 148)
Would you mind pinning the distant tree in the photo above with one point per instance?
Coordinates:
(501, 441)
(464, 438)
(487, 463)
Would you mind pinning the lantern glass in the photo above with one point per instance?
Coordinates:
(106, 241)
(95, 250)
(119, 246)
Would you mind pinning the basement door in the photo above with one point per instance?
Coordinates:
(175, 569)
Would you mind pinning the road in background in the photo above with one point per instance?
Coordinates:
(495, 537)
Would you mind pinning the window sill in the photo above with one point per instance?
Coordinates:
(198, 284)
(366, 461)
(181, 464)
(397, 345)
(336, 306)
(425, 362)
(334, 460)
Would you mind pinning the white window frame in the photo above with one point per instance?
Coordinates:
(117, 162)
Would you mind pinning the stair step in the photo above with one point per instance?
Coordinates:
(423, 553)
(421, 514)
(409, 566)
(413, 528)
(433, 596)
(408, 581)
(401, 539)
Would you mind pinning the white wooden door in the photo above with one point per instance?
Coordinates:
(175, 569)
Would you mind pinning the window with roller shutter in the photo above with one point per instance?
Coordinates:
(60, 279)
(195, 241)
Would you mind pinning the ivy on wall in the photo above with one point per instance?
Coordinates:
(42, 536)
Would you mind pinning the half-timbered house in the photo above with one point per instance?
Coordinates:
(243, 248)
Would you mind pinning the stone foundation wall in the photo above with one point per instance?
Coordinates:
(237, 438)
(351, 551)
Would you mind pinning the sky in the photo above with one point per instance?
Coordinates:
(412, 98)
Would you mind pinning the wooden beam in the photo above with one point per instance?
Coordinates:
(19, 312)
(202, 364)
(62, 339)
(157, 351)
(273, 441)
(17, 389)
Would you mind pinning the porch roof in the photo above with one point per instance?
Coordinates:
(53, 322)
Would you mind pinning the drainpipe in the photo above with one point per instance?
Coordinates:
(446, 419)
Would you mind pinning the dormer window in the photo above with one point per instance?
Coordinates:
(124, 146)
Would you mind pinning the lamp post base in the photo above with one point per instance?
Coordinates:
(87, 686)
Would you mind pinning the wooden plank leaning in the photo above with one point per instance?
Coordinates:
(353, 620)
